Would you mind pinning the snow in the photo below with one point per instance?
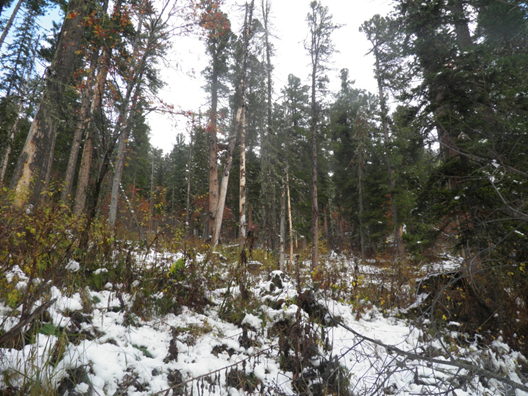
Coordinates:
(135, 352)
(73, 266)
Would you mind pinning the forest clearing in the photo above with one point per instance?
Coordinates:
(301, 236)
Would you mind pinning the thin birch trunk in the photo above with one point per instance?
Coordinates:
(290, 217)
(189, 177)
(151, 200)
(213, 151)
(242, 191)
(239, 122)
(225, 179)
(282, 227)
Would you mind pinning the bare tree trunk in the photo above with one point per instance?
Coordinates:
(239, 123)
(400, 246)
(83, 179)
(225, 179)
(213, 152)
(10, 22)
(123, 128)
(242, 195)
(82, 126)
(289, 216)
(36, 160)
(125, 113)
(116, 180)
(361, 133)
(189, 178)
(151, 199)
(315, 205)
(282, 227)
(87, 153)
(267, 183)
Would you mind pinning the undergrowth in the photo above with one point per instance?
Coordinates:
(46, 247)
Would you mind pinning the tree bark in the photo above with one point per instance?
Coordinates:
(34, 165)
(361, 134)
(282, 227)
(225, 179)
(123, 126)
(213, 150)
(189, 178)
(289, 216)
(10, 22)
(242, 191)
(82, 126)
(87, 153)
(14, 127)
(267, 183)
(239, 121)
(315, 205)
(400, 246)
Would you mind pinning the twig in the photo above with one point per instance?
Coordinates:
(166, 391)
(454, 363)
(24, 321)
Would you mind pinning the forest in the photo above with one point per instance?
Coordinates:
(286, 215)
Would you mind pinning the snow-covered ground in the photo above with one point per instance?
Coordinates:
(117, 353)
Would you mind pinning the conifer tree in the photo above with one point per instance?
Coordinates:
(320, 48)
(33, 169)
(218, 40)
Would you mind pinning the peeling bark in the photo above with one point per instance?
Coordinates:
(33, 169)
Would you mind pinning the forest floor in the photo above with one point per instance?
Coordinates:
(278, 335)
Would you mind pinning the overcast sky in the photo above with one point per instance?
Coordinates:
(184, 80)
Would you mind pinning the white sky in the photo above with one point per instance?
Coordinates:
(188, 58)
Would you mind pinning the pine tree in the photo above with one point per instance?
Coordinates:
(36, 160)
(218, 40)
(320, 48)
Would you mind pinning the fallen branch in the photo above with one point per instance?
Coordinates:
(9, 335)
(454, 363)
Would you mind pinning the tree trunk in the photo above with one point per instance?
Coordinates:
(282, 228)
(34, 165)
(360, 186)
(10, 22)
(267, 184)
(151, 200)
(225, 179)
(189, 178)
(242, 195)
(125, 113)
(82, 126)
(400, 247)
(239, 122)
(289, 217)
(14, 127)
(315, 205)
(213, 150)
